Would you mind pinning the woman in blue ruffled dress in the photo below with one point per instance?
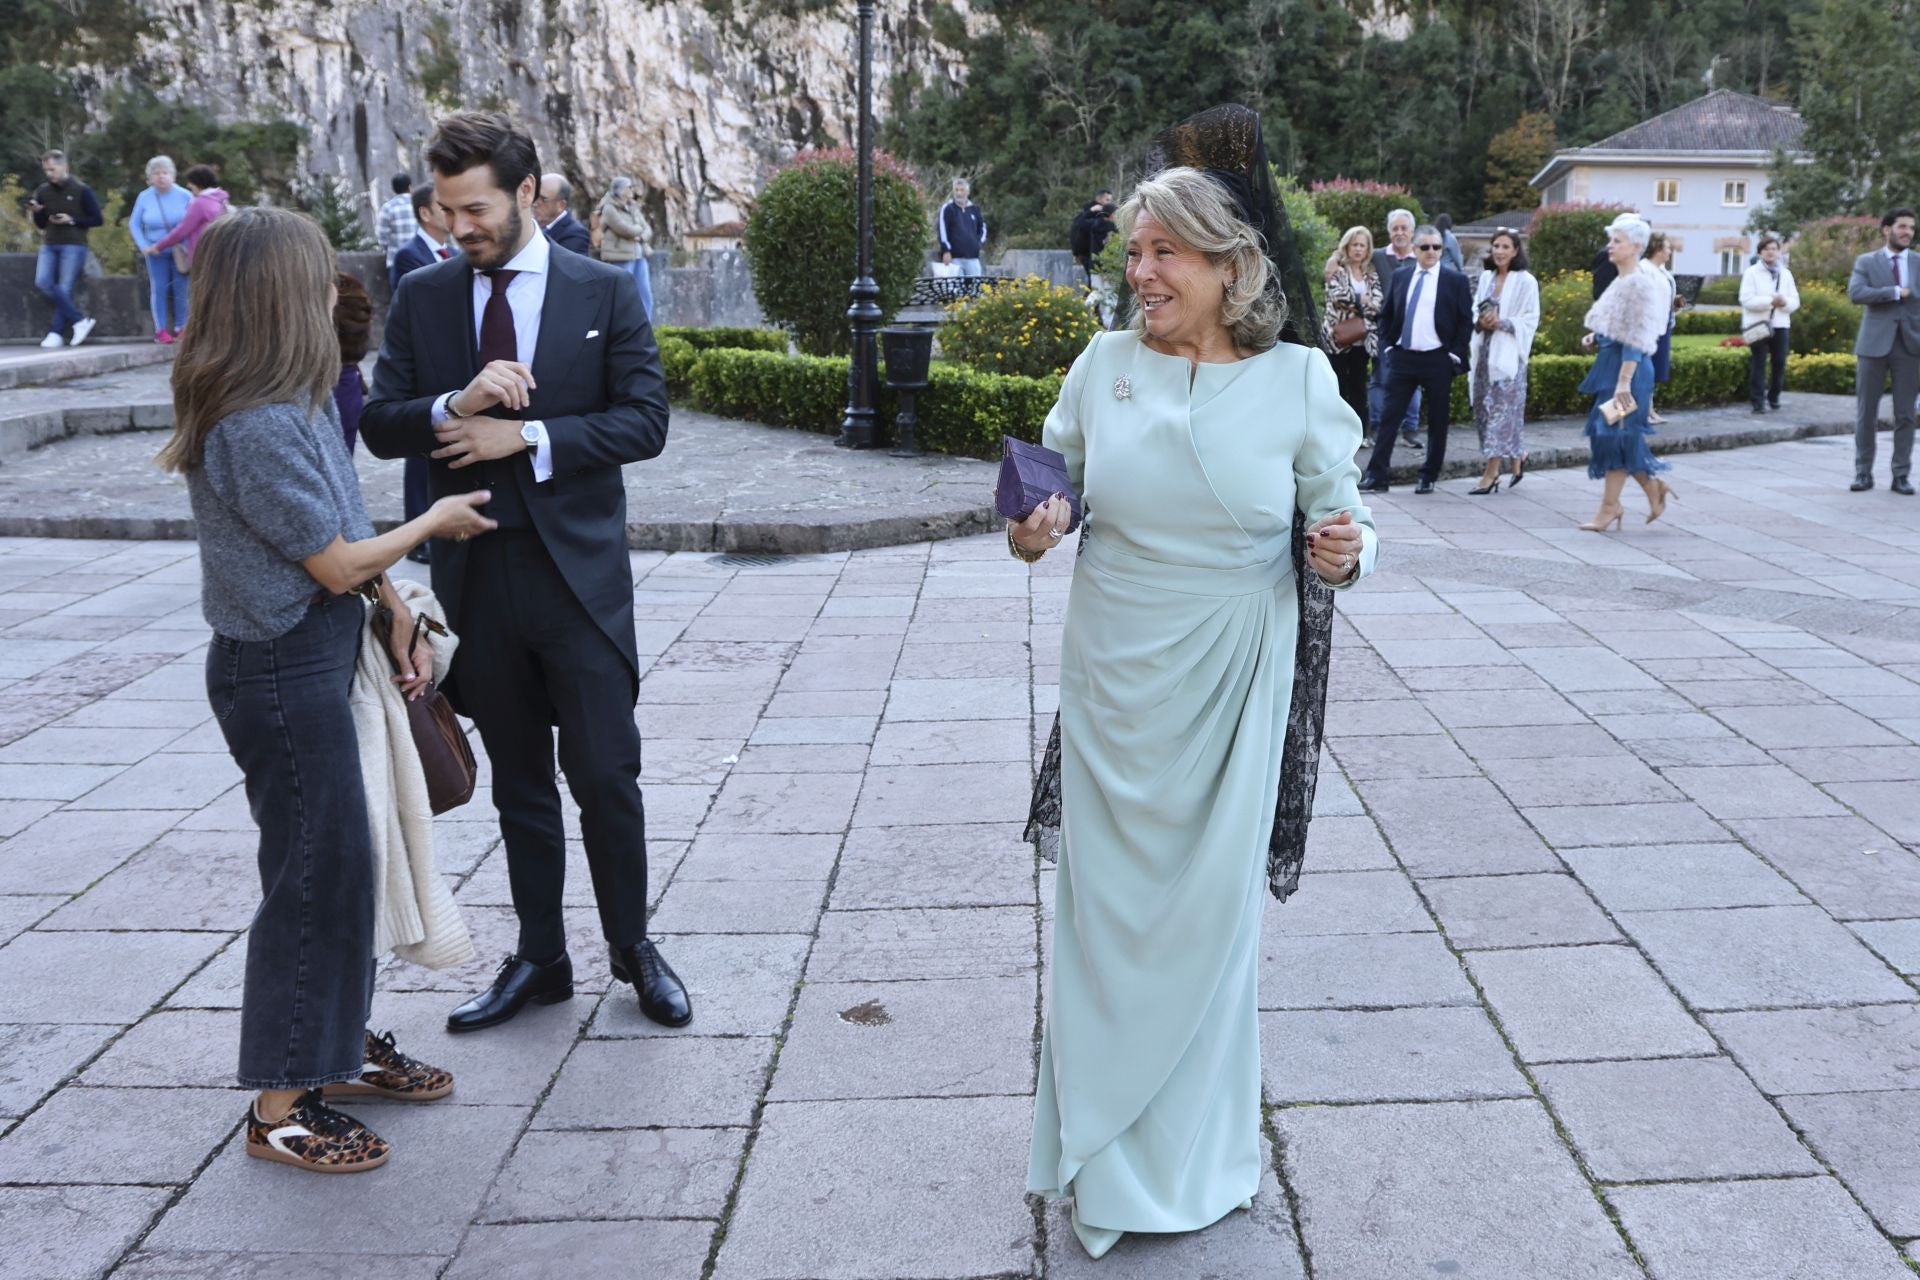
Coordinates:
(1626, 323)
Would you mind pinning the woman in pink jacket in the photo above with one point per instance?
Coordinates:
(208, 203)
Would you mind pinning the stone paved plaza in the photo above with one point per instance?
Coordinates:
(1606, 964)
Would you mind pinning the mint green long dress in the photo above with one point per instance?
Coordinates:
(1176, 670)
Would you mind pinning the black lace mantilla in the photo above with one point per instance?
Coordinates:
(1299, 758)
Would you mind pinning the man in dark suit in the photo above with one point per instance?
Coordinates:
(532, 373)
(1425, 325)
(555, 212)
(429, 242)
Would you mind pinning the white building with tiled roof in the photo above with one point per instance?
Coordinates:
(1696, 172)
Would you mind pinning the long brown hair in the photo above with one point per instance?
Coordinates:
(261, 331)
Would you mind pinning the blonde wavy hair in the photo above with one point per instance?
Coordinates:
(1338, 258)
(1199, 213)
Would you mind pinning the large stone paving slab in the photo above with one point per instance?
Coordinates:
(1762, 957)
(943, 1174)
(1872, 1140)
(567, 1250)
(1409, 1191)
(72, 1233)
(1805, 1228)
(1395, 1055)
(942, 1037)
(1580, 1003)
(1826, 1050)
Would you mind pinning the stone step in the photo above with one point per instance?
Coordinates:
(24, 366)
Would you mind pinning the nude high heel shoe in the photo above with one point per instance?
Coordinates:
(1656, 509)
(1607, 517)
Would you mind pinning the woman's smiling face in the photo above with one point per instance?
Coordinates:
(1180, 291)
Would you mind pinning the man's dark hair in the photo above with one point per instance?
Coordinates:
(1104, 191)
(201, 176)
(422, 197)
(401, 181)
(1443, 222)
(1892, 216)
(468, 139)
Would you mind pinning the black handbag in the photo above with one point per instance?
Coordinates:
(1029, 475)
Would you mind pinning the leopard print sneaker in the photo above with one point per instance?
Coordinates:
(314, 1136)
(389, 1073)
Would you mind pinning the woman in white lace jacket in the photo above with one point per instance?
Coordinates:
(1626, 324)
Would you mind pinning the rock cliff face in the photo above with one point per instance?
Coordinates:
(696, 101)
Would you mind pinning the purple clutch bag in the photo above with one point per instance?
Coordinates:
(1029, 475)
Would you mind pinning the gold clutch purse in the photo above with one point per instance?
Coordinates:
(1617, 408)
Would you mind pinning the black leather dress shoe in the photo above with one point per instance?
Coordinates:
(663, 997)
(1901, 486)
(1861, 486)
(518, 984)
(1425, 486)
(1373, 486)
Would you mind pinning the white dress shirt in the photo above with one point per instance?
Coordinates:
(1423, 337)
(526, 294)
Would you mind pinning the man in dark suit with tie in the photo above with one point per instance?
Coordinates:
(532, 373)
(554, 208)
(428, 246)
(1425, 326)
(429, 242)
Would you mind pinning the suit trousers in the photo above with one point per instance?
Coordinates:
(1429, 374)
(532, 660)
(1870, 379)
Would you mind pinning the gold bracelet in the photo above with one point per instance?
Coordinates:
(1020, 552)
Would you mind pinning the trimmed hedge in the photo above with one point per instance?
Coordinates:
(1720, 323)
(965, 412)
(1826, 323)
(735, 337)
(1564, 237)
(962, 411)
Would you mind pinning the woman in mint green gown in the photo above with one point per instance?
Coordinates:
(1191, 440)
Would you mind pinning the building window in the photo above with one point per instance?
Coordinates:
(1666, 191)
(1732, 262)
(1734, 194)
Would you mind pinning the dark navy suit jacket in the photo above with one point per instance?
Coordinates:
(569, 232)
(1452, 313)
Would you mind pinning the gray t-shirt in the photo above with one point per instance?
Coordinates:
(275, 485)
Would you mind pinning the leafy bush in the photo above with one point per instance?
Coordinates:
(705, 339)
(1564, 237)
(111, 242)
(1720, 322)
(1315, 236)
(1564, 299)
(1830, 374)
(962, 411)
(677, 357)
(1826, 322)
(1723, 292)
(1825, 249)
(336, 207)
(1346, 203)
(802, 243)
(1029, 328)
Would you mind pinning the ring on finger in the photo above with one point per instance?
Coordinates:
(1056, 533)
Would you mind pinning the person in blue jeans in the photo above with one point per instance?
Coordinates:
(63, 208)
(1389, 258)
(157, 212)
(963, 230)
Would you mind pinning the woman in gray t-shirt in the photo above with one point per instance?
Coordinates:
(286, 555)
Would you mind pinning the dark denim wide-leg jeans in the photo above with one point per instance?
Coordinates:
(282, 705)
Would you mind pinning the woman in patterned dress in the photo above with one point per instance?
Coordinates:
(1508, 300)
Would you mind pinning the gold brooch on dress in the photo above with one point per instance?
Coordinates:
(1122, 388)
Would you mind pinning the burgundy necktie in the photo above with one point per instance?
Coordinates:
(445, 253)
(497, 339)
(1898, 283)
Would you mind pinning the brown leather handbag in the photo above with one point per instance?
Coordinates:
(445, 756)
(1348, 332)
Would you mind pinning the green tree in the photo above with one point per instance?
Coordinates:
(336, 207)
(254, 158)
(1860, 78)
(1514, 155)
(802, 244)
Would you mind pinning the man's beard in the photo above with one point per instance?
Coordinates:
(508, 243)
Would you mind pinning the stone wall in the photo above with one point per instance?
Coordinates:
(716, 290)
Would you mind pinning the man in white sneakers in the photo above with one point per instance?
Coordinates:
(63, 207)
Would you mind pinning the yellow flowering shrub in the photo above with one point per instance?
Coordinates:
(1028, 327)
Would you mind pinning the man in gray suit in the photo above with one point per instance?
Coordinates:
(1889, 342)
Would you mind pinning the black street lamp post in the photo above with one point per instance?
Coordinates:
(858, 430)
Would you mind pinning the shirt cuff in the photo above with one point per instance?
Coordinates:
(542, 454)
(440, 413)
